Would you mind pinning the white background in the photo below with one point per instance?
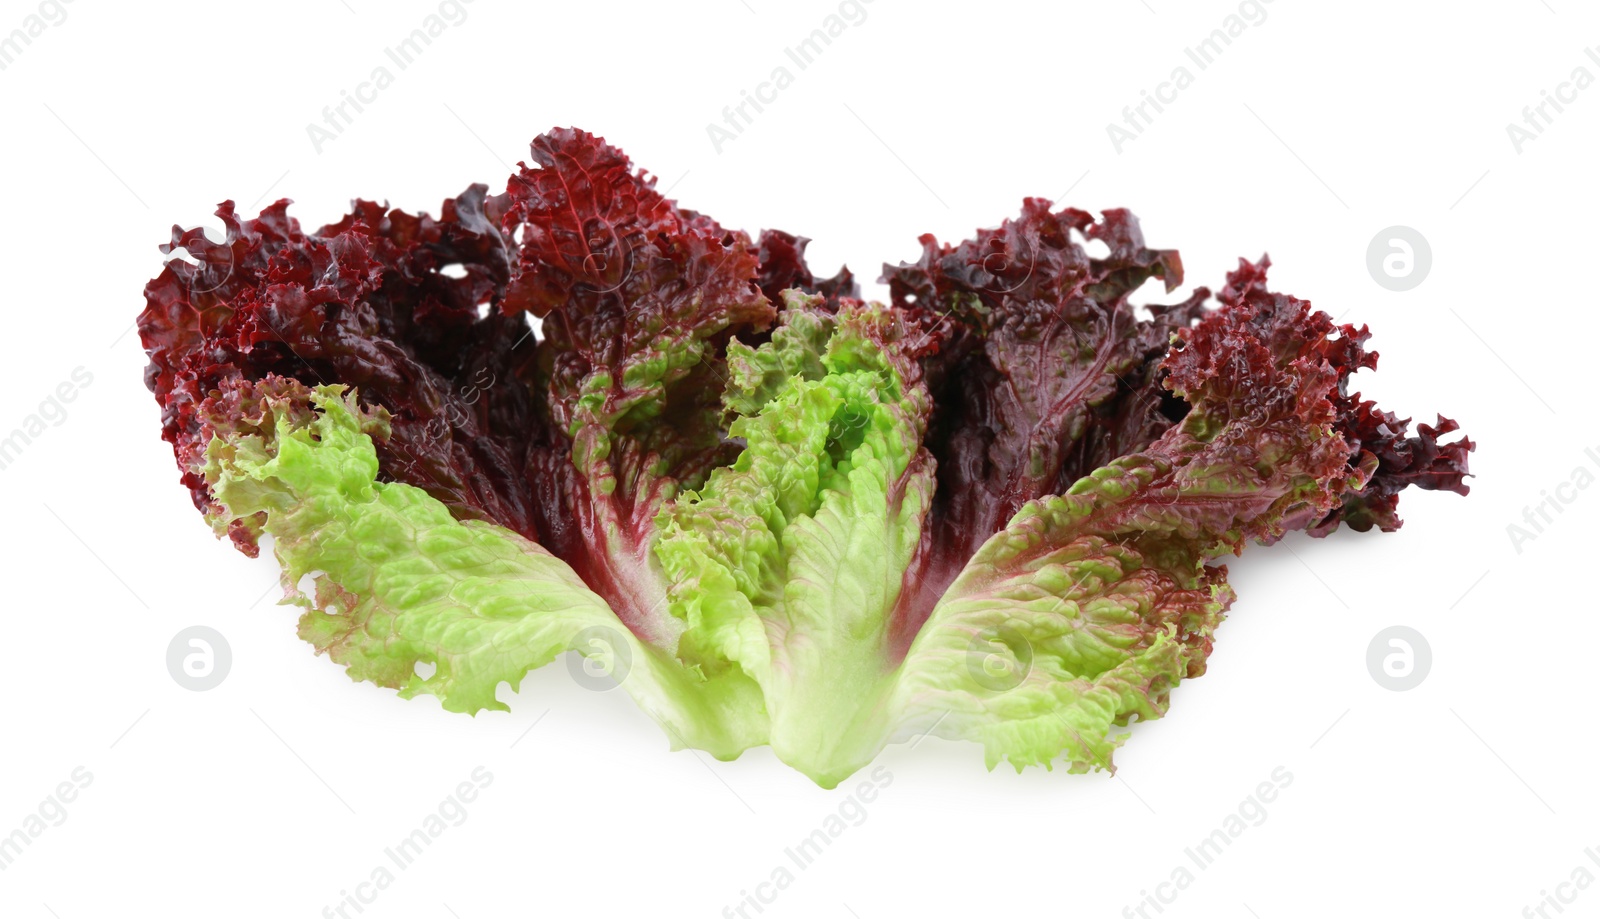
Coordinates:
(1325, 123)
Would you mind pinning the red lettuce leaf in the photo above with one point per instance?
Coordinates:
(365, 302)
(1381, 451)
(1043, 371)
(782, 258)
(638, 299)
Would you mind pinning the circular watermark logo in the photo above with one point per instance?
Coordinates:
(1399, 258)
(999, 658)
(210, 262)
(1399, 658)
(606, 658)
(199, 658)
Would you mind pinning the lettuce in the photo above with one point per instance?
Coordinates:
(990, 509)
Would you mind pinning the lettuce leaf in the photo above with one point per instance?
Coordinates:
(401, 582)
(991, 509)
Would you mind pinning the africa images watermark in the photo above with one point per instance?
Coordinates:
(51, 413)
(1538, 116)
(46, 14)
(1204, 53)
(51, 812)
(1581, 878)
(337, 117)
(851, 812)
(452, 811)
(737, 117)
(1537, 517)
(1251, 812)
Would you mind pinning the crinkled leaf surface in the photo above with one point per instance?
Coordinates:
(991, 509)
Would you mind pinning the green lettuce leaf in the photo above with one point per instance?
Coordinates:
(400, 582)
(791, 560)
